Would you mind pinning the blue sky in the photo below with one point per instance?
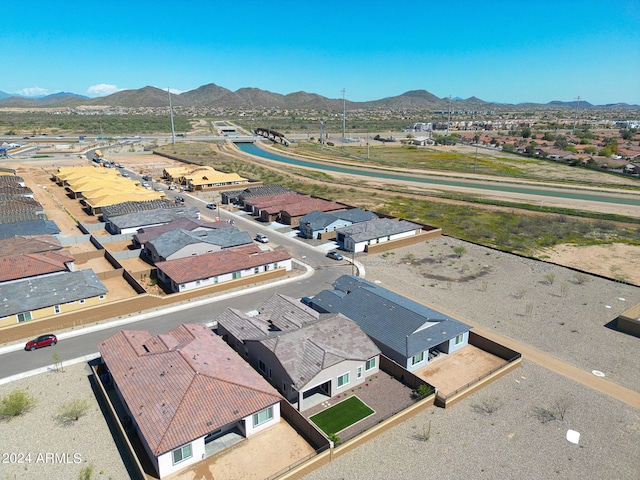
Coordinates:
(503, 51)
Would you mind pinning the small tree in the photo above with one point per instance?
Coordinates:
(422, 391)
(16, 403)
(57, 362)
(459, 250)
(335, 439)
(72, 410)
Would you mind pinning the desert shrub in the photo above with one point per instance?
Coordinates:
(16, 403)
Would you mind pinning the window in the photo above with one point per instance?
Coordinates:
(459, 339)
(359, 372)
(256, 270)
(182, 453)
(284, 387)
(343, 380)
(275, 265)
(215, 279)
(262, 416)
(197, 283)
(56, 309)
(262, 366)
(101, 297)
(236, 275)
(246, 352)
(269, 373)
(417, 358)
(371, 363)
(82, 301)
(23, 317)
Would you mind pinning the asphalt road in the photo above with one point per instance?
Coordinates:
(325, 271)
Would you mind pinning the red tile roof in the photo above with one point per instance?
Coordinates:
(13, 267)
(29, 244)
(209, 265)
(184, 384)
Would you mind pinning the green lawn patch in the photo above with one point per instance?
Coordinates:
(341, 416)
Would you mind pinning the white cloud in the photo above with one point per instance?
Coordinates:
(33, 91)
(175, 91)
(103, 89)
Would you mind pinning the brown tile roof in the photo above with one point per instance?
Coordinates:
(29, 244)
(309, 205)
(184, 384)
(208, 265)
(13, 267)
(279, 199)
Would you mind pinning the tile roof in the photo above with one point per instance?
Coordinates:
(190, 269)
(317, 220)
(41, 292)
(146, 234)
(302, 340)
(184, 384)
(123, 208)
(15, 189)
(405, 326)
(11, 179)
(253, 192)
(28, 227)
(168, 243)
(307, 205)
(380, 227)
(13, 267)
(29, 244)
(153, 217)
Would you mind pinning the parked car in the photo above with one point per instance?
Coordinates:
(335, 255)
(262, 238)
(306, 300)
(211, 206)
(42, 341)
(124, 174)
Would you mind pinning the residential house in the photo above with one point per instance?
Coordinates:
(146, 234)
(179, 243)
(29, 244)
(316, 223)
(406, 331)
(239, 196)
(190, 272)
(357, 237)
(132, 222)
(29, 265)
(306, 355)
(28, 228)
(40, 297)
(185, 392)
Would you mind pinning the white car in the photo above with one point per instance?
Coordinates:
(262, 238)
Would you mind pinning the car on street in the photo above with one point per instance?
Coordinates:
(335, 255)
(211, 206)
(42, 341)
(262, 238)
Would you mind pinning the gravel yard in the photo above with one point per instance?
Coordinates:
(510, 443)
(39, 445)
(549, 307)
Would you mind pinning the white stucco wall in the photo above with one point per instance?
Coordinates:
(248, 421)
(225, 277)
(165, 465)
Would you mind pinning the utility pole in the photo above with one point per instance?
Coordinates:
(367, 145)
(321, 134)
(575, 120)
(449, 116)
(173, 132)
(344, 117)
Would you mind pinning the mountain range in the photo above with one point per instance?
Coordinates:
(214, 96)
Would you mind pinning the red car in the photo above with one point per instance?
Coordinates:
(41, 341)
